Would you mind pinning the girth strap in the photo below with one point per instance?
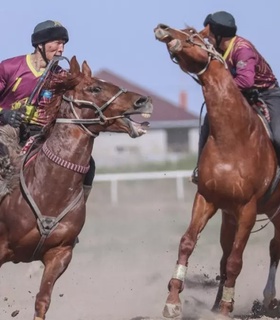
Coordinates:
(46, 224)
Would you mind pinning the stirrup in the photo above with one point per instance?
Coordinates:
(194, 176)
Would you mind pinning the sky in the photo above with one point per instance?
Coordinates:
(117, 35)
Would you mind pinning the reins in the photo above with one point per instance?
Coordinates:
(40, 84)
(265, 219)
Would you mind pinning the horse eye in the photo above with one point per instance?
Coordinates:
(174, 59)
(95, 89)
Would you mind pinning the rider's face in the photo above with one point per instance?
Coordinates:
(53, 48)
(212, 39)
(207, 34)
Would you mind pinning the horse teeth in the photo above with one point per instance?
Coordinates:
(142, 131)
(145, 115)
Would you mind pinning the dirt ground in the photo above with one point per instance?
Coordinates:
(126, 256)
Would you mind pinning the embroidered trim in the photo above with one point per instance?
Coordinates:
(36, 73)
(64, 163)
(15, 86)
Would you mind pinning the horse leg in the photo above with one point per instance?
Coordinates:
(201, 213)
(56, 262)
(269, 291)
(246, 217)
(228, 229)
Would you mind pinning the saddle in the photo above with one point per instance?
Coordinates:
(258, 104)
(12, 153)
(9, 160)
(262, 110)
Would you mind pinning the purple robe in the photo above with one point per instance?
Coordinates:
(18, 78)
(248, 67)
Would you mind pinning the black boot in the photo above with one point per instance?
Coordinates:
(89, 179)
(204, 133)
(194, 176)
(87, 190)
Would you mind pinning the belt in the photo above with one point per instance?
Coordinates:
(273, 86)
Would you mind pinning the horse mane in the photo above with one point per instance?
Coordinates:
(189, 28)
(58, 84)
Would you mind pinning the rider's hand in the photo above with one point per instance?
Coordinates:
(12, 117)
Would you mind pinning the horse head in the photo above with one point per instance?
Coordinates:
(188, 48)
(98, 105)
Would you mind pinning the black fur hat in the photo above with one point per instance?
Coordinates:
(221, 24)
(48, 31)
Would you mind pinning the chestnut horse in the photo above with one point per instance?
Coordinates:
(42, 218)
(236, 169)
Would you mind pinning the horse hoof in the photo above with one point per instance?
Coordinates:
(172, 310)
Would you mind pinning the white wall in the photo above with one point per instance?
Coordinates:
(116, 149)
(193, 140)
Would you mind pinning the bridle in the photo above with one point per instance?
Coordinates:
(213, 54)
(101, 119)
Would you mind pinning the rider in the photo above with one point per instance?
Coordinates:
(250, 71)
(20, 75)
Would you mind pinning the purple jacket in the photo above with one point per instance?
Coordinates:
(18, 78)
(248, 67)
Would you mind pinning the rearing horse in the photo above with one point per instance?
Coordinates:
(50, 198)
(236, 169)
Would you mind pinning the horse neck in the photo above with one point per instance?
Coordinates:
(72, 145)
(228, 111)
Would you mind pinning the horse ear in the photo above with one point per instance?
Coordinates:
(86, 69)
(74, 66)
(205, 32)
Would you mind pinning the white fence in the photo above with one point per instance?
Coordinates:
(116, 177)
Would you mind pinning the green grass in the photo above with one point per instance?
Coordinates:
(187, 163)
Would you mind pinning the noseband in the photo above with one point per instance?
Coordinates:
(213, 54)
(101, 119)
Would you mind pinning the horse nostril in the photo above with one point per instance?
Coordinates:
(163, 26)
(140, 102)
